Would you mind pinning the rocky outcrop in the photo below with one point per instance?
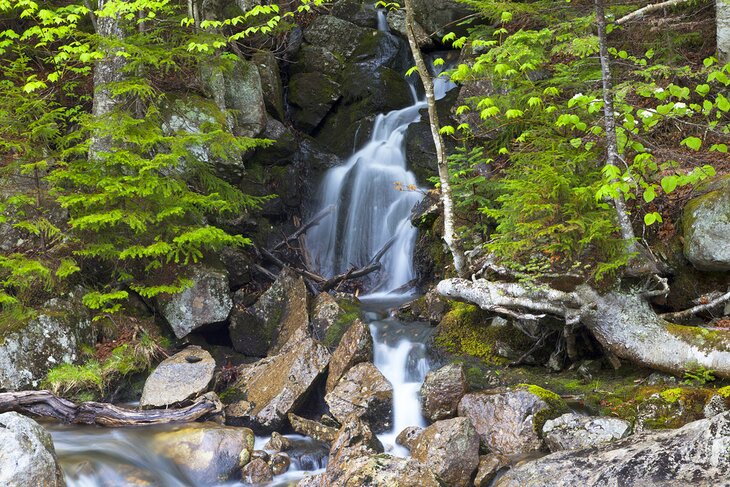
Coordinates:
(572, 431)
(442, 390)
(696, 454)
(365, 393)
(273, 387)
(450, 449)
(355, 347)
(706, 227)
(27, 456)
(179, 378)
(206, 302)
(508, 421)
(28, 350)
(265, 327)
(206, 453)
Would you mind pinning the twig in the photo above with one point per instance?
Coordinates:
(647, 10)
(314, 221)
(680, 315)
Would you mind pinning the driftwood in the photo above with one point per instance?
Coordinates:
(46, 405)
(301, 230)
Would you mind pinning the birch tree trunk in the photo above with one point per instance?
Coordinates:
(722, 9)
(450, 237)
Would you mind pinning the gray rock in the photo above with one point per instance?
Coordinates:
(317, 59)
(326, 316)
(572, 431)
(335, 34)
(696, 454)
(257, 472)
(365, 393)
(355, 347)
(244, 96)
(450, 449)
(442, 390)
(397, 22)
(27, 456)
(265, 327)
(206, 453)
(277, 442)
(55, 336)
(275, 386)
(179, 378)
(706, 227)
(271, 87)
(386, 470)
(312, 95)
(715, 405)
(489, 467)
(355, 439)
(359, 12)
(440, 16)
(206, 302)
(508, 420)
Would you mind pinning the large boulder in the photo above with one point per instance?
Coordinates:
(264, 328)
(572, 431)
(365, 393)
(696, 454)
(332, 318)
(336, 35)
(313, 95)
(271, 86)
(206, 302)
(439, 17)
(206, 453)
(276, 386)
(509, 421)
(244, 97)
(386, 470)
(30, 348)
(442, 390)
(179, 378)
(355, 347)
(450, 449)
(258, 471)
(354, 440)
(706, 227)
(359, 12)
(27, 456)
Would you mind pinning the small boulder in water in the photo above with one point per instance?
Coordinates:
(278, 442)
(442, 390)
(279, 463)
(409, 436)
(355, 347)
(366, 393)
(257, 472)
(572, 431)
(450, 449)
(179, 378)
(27, 456)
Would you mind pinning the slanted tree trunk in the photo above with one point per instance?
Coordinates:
(450, 236)
(623, 322)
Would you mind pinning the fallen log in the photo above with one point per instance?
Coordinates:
(46, 405)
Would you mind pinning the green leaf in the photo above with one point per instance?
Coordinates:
(649, 194)
(693, 143)
(669, 183)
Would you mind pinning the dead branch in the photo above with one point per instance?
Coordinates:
(638, 14)
(301, 230)
(46, 405)
(687, 313)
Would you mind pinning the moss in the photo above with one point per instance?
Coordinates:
(231, 395)
(702, 338)
(724, 392)
(14, 319)
(671, 395)
(556, 405)
(343, 322)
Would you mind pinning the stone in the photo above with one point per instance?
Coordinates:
(355, 439)
(207, 301)
(326, 315)
(179, 378)
(442, 390)
(278, 442)
(508, 420)
(262, 454)
(273, 387)
(336, 35)
(265, 327)
(206, 453)
(695, 454)
(244, 96)
(271, 86)
(317, 59)
(706, 227)
(257, 472)
(397, 22)
(312, 429)
(572, 431)
(450, 449)
(359, 12)
(364, 392)
(312, 95)
(312, 480)
(387, 470)
(489, 467)
(27, 456)
(408, 436)
(279, 463)
(28, 350)
(440, 16)
(355, 347)
(714, 406)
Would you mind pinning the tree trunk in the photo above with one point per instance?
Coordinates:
(722, 10)
(450, 236)
(623, 322)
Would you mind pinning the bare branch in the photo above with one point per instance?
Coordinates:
(687, 313)
(301, 230)
(638, 14)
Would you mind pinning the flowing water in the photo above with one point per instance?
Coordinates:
(373, 193)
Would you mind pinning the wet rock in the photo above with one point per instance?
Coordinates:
(408, 436)
(386, 470)
(706, 227)
(262, 454)
(508, 421)
(450, 449)
(355, 347)
(364, 392)
(354, 440)
(313, 480)
(28, 350)
(280, 153)
(206, 302)
(325, 315)
(27, 456)
(695, 454)
(206, 453)
(266, 326)
(489, 467)
(312, 429)
(313, 95)
(442, 390)
(275, 386)
(278, 442)
(257, 472)
(572, 431)
(179, 378)
(279, 463)
(430, 308)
